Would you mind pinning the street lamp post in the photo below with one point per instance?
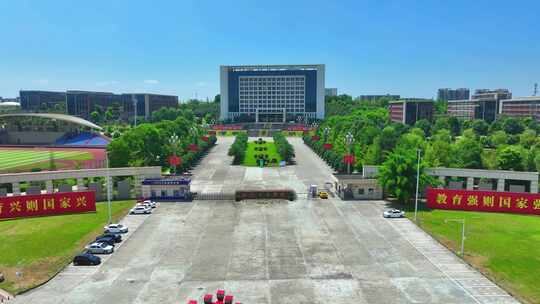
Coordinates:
(326, 131)
(418, 152)
(173, 140)
(108, 187)
(349, 139)
(134, 100)
(462, 221)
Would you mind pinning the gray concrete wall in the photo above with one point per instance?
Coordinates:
(86, 173)
(65, 188)
(98, 189)
(124, 190)
(29, 137)
(33, 190)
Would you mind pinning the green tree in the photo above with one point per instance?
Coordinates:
(397, 175)
(424, 125)
(528, 138)
(512, 125)
(467, 153)
(498, 138)
(95, 117)
(510, 158)
(109, 114)
(480, 127)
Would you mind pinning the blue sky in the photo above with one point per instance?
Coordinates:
(175, 47)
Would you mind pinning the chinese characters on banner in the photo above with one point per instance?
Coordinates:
(47, 204)
(484, 201)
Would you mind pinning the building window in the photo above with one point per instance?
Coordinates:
(360, 191)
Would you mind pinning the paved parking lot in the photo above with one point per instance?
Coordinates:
(307, 251)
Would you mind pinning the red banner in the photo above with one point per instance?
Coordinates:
(47, 204)
(349, 159)
(484, 201)
(174, 160)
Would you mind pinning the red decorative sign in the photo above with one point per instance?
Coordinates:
(484, 201)
(174, 160)
(327, 146)
(47, 204)
(349, 159)
(193, 147)
(315, 138)
(205, 138)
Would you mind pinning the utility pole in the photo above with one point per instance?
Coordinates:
(418, 151)
(535, 89)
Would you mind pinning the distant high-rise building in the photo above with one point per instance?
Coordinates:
(410, 110)
(330, 92)
(447, 94)
(33, 101)
(376, 97)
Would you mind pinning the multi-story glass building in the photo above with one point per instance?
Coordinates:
(409, 110)
(45, 101)
(272, 93)
(521, 107)
(447, 94)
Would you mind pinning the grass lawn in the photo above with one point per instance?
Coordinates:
(504, 246)
(249, 159)
(40, 247)
(14, 158)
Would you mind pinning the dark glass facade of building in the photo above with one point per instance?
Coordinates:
(42, 100)
(82, 103)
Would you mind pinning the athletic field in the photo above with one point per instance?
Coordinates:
(20, 160)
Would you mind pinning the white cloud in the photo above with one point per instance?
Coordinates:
(106, 83)
(151, 81)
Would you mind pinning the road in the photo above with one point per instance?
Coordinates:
(306, 251)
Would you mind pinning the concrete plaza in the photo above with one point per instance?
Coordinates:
(306, 251)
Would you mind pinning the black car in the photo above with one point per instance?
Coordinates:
(86, 259)
(116, 238)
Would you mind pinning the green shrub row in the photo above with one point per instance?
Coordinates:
(284, 148)
(238, 148)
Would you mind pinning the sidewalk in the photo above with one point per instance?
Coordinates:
(5, 296)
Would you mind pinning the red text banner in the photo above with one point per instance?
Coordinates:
(484, 201)
(47, 204)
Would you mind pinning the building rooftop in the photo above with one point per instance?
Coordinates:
(63, 117)
(416, 100)
(273, 67)
(525, 98)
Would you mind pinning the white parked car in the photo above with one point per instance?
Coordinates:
(394, 213)
(140, 209)
(100, 248)
(115, 228)
(152, 203)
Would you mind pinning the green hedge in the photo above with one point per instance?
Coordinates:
(238, 149)
(284, 148)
